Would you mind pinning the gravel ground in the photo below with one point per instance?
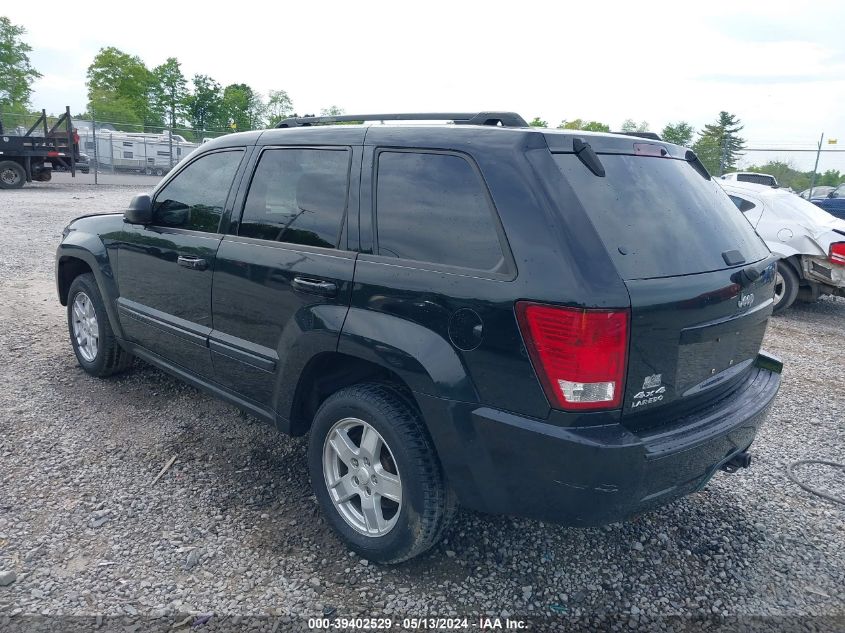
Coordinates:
(232, 528)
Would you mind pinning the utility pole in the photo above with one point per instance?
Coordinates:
(96, 165)
(815, 167)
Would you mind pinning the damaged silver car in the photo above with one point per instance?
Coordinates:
(809, 241)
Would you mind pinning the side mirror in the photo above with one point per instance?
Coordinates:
(140, 210)
(832, 194)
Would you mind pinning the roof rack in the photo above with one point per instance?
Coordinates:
(505, 119)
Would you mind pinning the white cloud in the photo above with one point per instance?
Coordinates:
(779, 69)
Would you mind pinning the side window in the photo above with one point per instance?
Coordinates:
(434, 208)
(298, 196)
(742, 204)
(194, 199)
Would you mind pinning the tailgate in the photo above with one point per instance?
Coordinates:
(691, 335)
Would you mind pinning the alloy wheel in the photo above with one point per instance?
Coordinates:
(362, 478)
(780, 288)
(85, 328)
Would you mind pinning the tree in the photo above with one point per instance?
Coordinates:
(123, 79)
(16, 73)
(629, 125)
(204, 108)
(332, 111)
(244, 107)
(106, 106)
(680, 133)
(279, 107)
(538, 122)
(719, 144)
(169, 92)
(580, 124)
(830, 178)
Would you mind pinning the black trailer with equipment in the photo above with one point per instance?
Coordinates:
(32, 156)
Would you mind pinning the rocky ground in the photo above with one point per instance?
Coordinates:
(233, 529)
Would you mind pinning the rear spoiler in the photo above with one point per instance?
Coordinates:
(649, 135)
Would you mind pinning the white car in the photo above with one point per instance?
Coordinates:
(809, 241)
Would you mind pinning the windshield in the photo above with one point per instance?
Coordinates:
(658, 217)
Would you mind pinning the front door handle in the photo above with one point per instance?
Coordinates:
(197, 263)
(315, 286)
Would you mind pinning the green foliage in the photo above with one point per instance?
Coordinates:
(16, 73)
(629, 125)
(581, 124)
(114, 108)
(332, 111)
(709, 152)
(243, 107)
(680, 133)
(120, 85)
(279, 107)
(538, 122)
(169, 92)
(719, 145)
(204, 108)
(830, 178)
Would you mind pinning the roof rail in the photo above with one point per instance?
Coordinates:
(505, 119)
(654, 136)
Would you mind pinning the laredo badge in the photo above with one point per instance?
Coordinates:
(652, 391)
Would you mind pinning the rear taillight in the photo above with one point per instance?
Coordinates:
(579, 355)
(837, 253)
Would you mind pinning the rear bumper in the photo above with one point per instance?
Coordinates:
(503, 463)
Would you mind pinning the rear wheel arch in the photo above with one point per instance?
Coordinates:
(330, 372)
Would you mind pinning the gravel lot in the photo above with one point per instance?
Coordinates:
(232, 528)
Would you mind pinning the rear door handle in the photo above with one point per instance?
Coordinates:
(197, 263)
(315, 286)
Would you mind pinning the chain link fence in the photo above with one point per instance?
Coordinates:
(110, 147)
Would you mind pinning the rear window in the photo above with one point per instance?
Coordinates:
(658, 217)
(760, 179)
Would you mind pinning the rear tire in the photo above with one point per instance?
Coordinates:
(403, 463)
(786, 287)
(91, 336)
(12, 175)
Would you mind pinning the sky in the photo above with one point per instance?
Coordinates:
(779, 66)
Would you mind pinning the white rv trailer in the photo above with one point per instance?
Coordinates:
(141, 152)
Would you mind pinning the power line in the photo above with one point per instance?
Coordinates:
(782, 149)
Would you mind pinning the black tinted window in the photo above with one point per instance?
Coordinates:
(658, 217)
(741, 204)
(298, 196)
(434, 208)
(194, 199)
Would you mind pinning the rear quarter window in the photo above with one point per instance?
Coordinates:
(658, 217)
(434, 207)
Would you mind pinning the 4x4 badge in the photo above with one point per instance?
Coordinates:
(652, 381)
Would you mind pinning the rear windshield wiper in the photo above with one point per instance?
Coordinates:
(696, 164)
(588, 156)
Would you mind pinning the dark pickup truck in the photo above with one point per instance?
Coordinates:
(32, 156)
(554, 324)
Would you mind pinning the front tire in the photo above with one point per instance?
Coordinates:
(91, 336)
(786, 287)
(376, 475)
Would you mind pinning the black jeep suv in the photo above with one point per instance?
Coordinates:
(554, 324)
